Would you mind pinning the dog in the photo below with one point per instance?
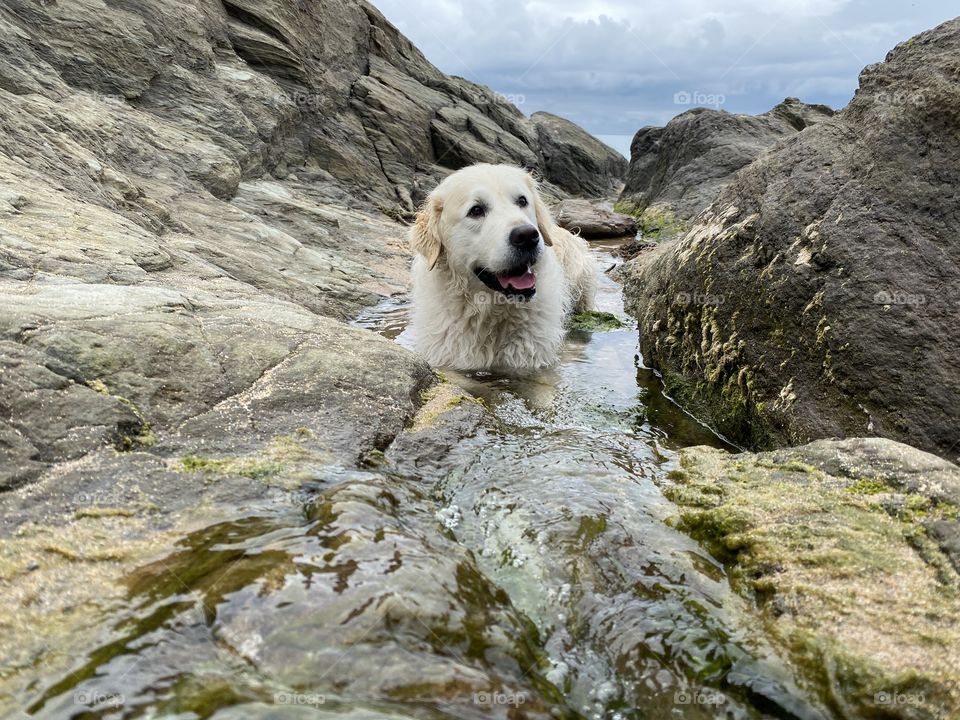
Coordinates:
(494, 277)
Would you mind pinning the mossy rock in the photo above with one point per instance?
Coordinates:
(656, 221)
(595, 321)
(253, 468)
(839, 556)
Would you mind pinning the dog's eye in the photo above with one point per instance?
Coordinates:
(522, 201)
(477, 211)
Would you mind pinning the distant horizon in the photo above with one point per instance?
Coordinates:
(597, 63)
(620, 143)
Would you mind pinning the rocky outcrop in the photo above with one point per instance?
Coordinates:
(681, 167)
(575, 160)
(817, 295)
(850, 551)
(239, 89)
(593, 220)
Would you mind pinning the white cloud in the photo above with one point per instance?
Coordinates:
(604, 62)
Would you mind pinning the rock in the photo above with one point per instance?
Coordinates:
(592, 220)
(337, 606)
(575, 160)
(595, 321)
(244, 89)
(680, 168)
(840, 544)
(630, 250)
(811, 299)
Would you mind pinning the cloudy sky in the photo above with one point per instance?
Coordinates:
(614, 66)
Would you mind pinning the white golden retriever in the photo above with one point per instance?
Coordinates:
(494, 276)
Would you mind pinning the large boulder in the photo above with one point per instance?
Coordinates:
(575, 160)
(681, 167)
(593, 220)
(819, 295)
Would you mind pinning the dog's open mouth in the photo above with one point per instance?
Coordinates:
(519, 282)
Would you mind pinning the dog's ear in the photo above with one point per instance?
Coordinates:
(544, 219)
(425, 233)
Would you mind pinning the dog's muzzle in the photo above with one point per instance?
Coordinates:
(519, 281)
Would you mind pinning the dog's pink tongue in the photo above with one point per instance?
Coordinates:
(518, 282)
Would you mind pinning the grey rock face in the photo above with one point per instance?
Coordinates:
(818, 295)
(246, 88)
(683, 165)
(575, 160)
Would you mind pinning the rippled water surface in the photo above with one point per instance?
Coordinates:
(535, 574)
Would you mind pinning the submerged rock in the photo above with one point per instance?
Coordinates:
(595, 321)
(849, 549)
(813, 298)
(681, 167)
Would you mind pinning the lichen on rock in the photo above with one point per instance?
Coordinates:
(847, 549)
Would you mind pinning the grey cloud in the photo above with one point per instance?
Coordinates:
(612, 66)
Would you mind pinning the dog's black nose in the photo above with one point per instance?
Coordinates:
(524, 237)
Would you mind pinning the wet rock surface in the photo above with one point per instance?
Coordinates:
(680, 168)
(812, 299)
(522, 571)
(848, 548)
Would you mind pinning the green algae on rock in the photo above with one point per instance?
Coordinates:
(657, 221)
(595, 321)
(848, 549)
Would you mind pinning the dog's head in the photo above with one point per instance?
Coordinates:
(488, 222)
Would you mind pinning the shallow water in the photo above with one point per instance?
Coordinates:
(535, 574)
